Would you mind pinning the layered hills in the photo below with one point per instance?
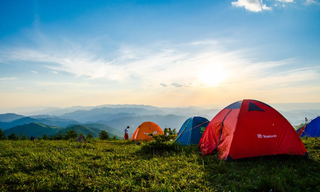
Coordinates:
(115, 118)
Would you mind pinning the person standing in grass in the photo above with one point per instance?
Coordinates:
(126, 133)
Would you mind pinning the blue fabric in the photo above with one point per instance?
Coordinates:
(192, 130)
(253, 107)
(312, 129)
(235, 105)
(183, 137)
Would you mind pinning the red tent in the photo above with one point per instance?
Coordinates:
(250, 128)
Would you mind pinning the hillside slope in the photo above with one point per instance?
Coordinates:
(172, 121)
(112, 131)
(33, 129)
(52, 121)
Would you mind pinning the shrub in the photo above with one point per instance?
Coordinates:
(71, 134)
(160, 144)
(2, 135)
(89, 136)
(13, 136)
(103, 135)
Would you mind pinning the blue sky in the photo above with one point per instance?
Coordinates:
(162, 53)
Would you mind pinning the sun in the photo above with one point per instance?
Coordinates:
(212, 75)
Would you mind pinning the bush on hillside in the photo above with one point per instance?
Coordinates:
(2, 135)
(103, 135)
(89, 136)
(13, 137)
(160, 144)
(71, 134)
(45, 137)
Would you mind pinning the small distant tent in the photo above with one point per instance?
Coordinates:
(310, 130)
(301, 130)
(141, 133)
(250, 128)
(192, 130)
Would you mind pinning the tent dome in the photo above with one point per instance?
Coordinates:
(192, 130)
(311, 130)
(141, 133)
(250, 128)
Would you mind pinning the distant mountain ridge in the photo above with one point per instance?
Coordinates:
(83, 129)
(33, 129)
(8, 117)
(172, 121)
(106, 113)
(120, 116)
(39, 129)
(52, 121)
(112, 131)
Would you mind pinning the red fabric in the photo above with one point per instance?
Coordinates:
(250, 133)
(126, 136)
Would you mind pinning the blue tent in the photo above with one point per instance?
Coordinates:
(312, 129)
(192, 130)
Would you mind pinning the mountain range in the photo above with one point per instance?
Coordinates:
(115, 118)
(48, 120)
(39, 129)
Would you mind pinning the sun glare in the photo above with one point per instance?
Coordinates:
(212, 75)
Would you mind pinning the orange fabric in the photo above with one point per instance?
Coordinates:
(141, 133)
(301, 130)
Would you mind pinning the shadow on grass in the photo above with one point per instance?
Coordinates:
(267, 173)
(152, 149)
(121, 142)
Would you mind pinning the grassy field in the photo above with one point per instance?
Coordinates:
(125, 166)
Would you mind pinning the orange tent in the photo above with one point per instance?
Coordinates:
(141, 133)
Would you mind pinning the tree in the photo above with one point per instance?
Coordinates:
(90, 136)
(71, 134)
(45, 137)
(53, 137)
(24, 137)
(13, 137)
(2, 135)
(103, 135)
(20, 136)
(59, 136)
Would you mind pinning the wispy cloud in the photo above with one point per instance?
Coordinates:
(158, 65)
(163, 84)
(7, 78)
(308, 2)
(285, 1)
(259, 5)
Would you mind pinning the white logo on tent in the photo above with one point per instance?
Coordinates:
(265, 136)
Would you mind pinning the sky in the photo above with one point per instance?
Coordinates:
(158, 52)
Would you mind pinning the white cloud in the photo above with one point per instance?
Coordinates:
(7, 78)
(285, 1)
(308, 2)
(33, 72)
(54, 72)
(251, 5)
(154, 66)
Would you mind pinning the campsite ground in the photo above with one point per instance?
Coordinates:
(125, 166)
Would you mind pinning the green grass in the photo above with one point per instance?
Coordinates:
(125, 166)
